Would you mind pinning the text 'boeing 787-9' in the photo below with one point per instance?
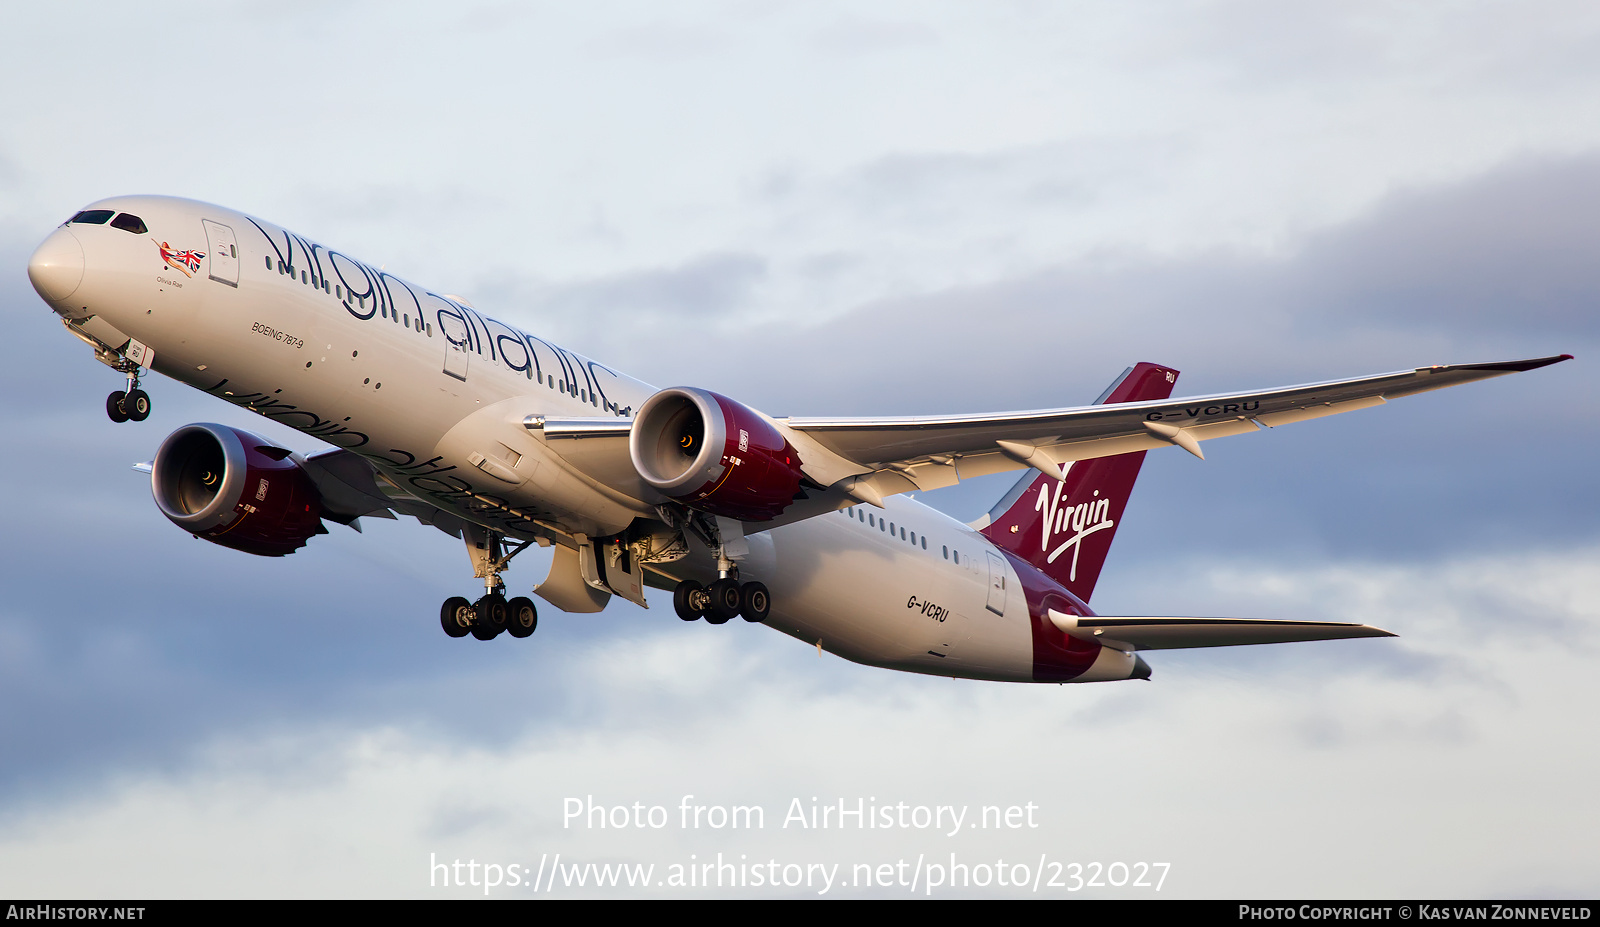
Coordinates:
(499, 437)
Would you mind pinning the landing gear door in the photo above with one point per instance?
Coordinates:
(224, 252)
(997, 584)
(607, 565)
(566, 588)
(621, 570)
(457, 344)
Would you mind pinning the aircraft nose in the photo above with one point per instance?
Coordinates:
(56, 267)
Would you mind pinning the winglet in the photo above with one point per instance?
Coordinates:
(1518, 366)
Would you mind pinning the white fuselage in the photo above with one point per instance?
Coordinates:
(432, 393)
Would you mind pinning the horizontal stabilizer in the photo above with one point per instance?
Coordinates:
(1182, 633)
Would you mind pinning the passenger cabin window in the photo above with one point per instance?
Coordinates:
(129, 222)
(91, 217)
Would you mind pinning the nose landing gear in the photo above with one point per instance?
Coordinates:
(131, 404)
(124, 405)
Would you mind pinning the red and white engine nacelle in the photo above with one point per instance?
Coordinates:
(235, 489)
(714, 454)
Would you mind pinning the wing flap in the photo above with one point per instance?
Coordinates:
(1186, 633)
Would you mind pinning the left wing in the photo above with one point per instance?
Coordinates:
(887, 456)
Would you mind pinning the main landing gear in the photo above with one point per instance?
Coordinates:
(487, 617)
(491, 613)
(721, 601)
(131, 404)
(726, 598)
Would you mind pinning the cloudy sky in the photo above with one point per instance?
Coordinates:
(823, 208)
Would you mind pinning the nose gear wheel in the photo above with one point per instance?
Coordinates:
(114, 407)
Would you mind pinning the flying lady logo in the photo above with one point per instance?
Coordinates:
(1082, 520)
(186, 262)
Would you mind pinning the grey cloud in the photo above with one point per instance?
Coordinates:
(634, 311)
(852, 35)
(914, 187)
(1515, 251)
(1258, 42)
(662, 40)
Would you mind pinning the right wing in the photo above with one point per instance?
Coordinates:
(870, 458)
(351, 488)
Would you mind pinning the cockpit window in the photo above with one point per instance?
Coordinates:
(91, 217)
(129, 222)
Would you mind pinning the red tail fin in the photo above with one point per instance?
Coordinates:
(1064, 527)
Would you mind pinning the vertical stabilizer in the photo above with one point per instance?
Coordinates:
(1064, 527)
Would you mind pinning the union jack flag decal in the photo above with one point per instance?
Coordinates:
(186, 261)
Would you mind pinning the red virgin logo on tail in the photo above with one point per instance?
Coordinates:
(1077, 521)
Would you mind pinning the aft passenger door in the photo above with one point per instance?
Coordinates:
(997, 584)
